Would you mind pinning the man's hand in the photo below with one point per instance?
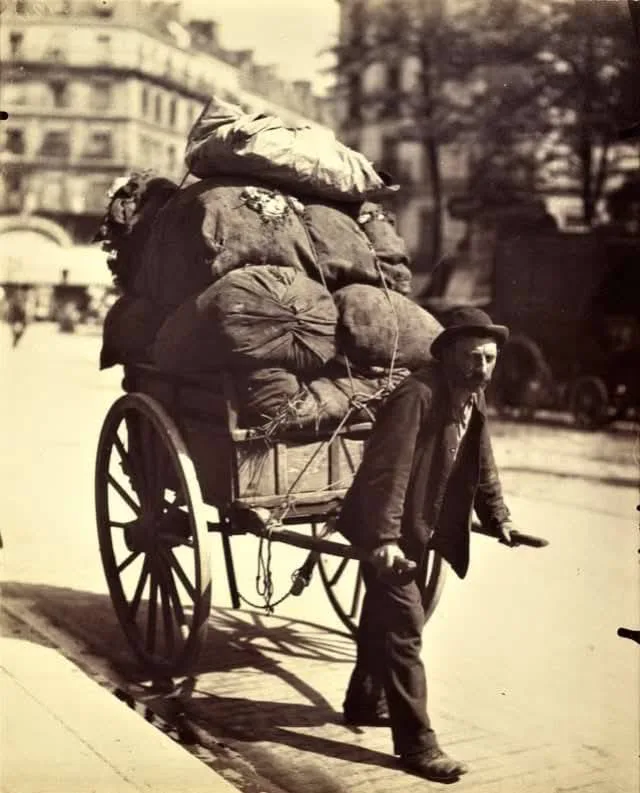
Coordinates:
(504, 533)
(389, 558)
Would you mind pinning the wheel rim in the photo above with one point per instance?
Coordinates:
(344, 585)
(589, 403)
(152, 534)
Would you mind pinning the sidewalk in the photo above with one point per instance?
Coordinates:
(60, 731)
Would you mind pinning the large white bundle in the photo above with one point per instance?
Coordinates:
(302, 159)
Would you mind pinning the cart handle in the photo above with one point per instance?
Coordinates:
(517, 537)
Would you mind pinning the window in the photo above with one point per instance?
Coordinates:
(55, 144)
(56, 48)
(13, 185)
(145, 101)
(96, 197)
(171, 158)
(53, 194)
(104, 8)
(172, 112)
(389, 161)
(15, 141)
(99, 146)
(104, 48)
(60, 93)
(354, 98)
(14, 93)
(392, 90)
(158, 108)
(101, 95)
(16, 40)
(146, 145)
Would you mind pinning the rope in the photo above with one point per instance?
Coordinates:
(264, 583)
(396, 338)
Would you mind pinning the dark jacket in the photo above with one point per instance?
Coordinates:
(409, 489)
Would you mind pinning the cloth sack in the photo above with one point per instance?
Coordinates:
(128, 331)
(303, 159)
(273, 316)
(373, 322)
(342, 251)
(390, 249)
(214, 226)
(258, 317)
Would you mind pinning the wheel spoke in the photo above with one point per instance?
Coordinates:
(135, 601)
(123, 494)
(154, 464)
(123, 565)
(177, 606)
(181, 575)
(357, 599)
(338, 573)
(152, 612)
(124, 455)
(167, 614)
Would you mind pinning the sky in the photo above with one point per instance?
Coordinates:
(288, 33)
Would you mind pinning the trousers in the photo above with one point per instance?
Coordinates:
(389, 641)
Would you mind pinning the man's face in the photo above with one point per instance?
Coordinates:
(470, 362)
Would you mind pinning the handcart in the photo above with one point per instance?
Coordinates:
(174, 464)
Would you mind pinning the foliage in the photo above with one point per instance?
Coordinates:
(523, 83)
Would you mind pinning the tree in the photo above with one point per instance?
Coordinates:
(522, 83)
(459, 54)
(590, 68)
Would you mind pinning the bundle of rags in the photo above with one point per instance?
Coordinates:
(277, 400)
(132, 322)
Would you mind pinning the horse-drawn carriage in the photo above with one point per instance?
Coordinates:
(173, 464)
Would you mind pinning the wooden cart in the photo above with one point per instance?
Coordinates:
(172, 465)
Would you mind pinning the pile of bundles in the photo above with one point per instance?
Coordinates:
(276, 265)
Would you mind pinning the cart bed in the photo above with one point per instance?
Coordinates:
(303, 472)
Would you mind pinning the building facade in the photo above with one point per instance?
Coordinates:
(97, 88)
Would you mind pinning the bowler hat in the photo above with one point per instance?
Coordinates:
(468, 321)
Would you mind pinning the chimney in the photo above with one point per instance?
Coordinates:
(205, 32)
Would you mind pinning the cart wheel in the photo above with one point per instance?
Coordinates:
(342, 580)
(152, 534)
(523, 379)
(589, 402)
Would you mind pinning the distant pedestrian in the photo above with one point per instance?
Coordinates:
(17, 315)
(426, 465)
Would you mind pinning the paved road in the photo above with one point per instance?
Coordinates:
(528, 681)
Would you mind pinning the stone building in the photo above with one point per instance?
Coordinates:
(96, 88)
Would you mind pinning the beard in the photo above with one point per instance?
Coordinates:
(469, 381)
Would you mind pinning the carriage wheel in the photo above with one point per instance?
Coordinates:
(342, 581)
(152, 534)
(589, 402)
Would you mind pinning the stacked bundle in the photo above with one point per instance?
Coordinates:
(276, 266)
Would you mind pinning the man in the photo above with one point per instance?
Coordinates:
(17, 315)
(427, 464)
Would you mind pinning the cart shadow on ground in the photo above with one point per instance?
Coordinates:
(279, 657)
